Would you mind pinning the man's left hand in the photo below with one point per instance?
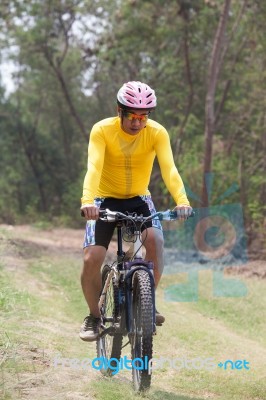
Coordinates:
(183, 211)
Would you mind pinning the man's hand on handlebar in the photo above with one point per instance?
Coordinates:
(90, 211)
(183, 211)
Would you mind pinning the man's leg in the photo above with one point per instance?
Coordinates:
(154, 250)
(91, 285)
(91, 276)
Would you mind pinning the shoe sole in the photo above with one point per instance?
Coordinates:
(88, 339)
(159, 321)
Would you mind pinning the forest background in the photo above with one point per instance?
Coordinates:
(206, 59)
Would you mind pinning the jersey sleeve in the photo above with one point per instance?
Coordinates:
(170, 174)
(96, 151)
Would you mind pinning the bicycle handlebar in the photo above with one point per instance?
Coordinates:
(113, 216)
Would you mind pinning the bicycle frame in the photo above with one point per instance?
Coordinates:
(123, 274)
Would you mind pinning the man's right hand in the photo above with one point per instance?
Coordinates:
(90, 211)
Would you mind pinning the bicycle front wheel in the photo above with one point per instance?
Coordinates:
(109, 345)
(141, 344)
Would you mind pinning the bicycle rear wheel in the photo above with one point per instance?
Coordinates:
(109, 345)
(141, 344)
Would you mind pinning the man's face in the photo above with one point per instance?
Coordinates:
(133, 121)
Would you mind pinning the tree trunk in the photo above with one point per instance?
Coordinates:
(214, 70)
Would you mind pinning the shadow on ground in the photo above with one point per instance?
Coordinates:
(161, 394)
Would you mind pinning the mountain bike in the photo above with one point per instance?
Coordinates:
(127, 301)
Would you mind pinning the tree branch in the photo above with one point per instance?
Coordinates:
(65, 91)
(233, 32)
(229, 81)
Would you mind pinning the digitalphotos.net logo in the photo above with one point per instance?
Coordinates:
(180, 363)
(212, 240)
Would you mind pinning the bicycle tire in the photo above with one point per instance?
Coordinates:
(109, 346)
(142, 340)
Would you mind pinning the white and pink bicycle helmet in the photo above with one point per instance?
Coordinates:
(137, 95)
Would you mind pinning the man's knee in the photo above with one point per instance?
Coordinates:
(155, 239)
(93, 257)
(159, 238)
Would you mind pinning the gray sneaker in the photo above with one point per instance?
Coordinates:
(159, 318)
(89, 330)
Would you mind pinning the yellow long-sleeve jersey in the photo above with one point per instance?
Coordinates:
(120, 164)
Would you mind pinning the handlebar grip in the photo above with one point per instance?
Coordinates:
(102, 212)
(173, 214)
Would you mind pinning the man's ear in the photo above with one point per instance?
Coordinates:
(119, 111)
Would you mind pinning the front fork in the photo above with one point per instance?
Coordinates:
(130, 268)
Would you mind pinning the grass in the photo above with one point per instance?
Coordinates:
(244, 315)
(217, 328)
(41, 308)
(62, 279)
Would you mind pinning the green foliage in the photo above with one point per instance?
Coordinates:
(71, 58)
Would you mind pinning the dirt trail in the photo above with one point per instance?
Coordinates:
(25, 241)
(18, 246)
(34, 375)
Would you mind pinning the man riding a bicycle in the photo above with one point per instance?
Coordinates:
(121, 153)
